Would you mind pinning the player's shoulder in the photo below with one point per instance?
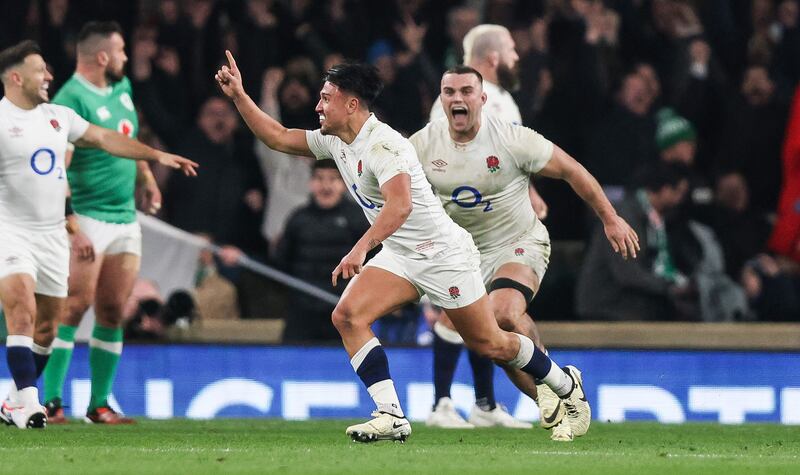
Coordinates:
(69, 92)
(53, 109)
(124, 85)
(384, 137)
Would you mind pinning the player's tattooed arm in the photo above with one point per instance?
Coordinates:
(397, 194)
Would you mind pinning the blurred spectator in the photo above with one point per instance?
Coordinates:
(148, 317)
(288, 96)
(226, 201)
(650, 286)
(624, 140)
(731, 211)
(315, 239)
(773, 288)
(459, 21)
(751, 136)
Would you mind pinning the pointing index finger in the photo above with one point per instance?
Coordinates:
(231, 61)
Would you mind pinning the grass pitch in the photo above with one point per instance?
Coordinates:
(320, 447)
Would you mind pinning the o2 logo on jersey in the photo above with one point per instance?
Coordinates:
(43, 162)
(125, 127)
(365, 202)
(470, 199)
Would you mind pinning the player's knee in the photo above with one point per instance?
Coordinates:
(343, 318)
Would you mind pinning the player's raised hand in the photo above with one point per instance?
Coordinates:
(622, 237)
(229, 78)
(350, 265)
(176, 161)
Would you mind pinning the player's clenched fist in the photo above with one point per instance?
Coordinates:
(229, 78)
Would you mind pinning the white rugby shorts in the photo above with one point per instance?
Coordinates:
(450, 279)
(42, 255)
(531, 249)
(111, 238)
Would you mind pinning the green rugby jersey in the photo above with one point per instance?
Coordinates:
(102, 185)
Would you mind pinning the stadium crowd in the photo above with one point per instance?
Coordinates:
(687, 112)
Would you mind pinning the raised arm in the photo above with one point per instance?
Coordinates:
(267, 129)
(621, 236)
(123, 146)
(397, 193)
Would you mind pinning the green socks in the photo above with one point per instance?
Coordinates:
(105, 349)
(56, 370)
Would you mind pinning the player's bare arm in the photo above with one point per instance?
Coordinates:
(397, 193)
(147, 189)
(621, 236)
(268, 130)
(123, 146)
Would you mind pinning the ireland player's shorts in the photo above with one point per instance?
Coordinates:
(111, 238)
(531, 249)
(450, 279)
(42, 255)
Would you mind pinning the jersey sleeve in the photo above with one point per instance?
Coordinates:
(437, 112)
(530, 149)
(77, 124)
(389, 159)
(320, 145)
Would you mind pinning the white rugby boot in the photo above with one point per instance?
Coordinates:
(384, 426)
(445, 416)
(31, 417)
(497, 417)
(562, 432)
(579, 414)
(551, 410)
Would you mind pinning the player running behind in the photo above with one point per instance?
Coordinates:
(479, 166)
(490, 49)
(106, 246)
(424, 251)
(34, 249)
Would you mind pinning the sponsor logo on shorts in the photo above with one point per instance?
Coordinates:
(11, 260)
(492, 163)
(424, 246)
(519, 251)
(55, 125)
(454, 292)
(360, 168)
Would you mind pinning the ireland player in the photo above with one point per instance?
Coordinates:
(34, 250)
(479, 166)
(106, 247)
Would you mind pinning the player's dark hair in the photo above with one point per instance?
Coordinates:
(16, 54)
(464, 69)
(656, 176)
(325, 164)
(359, 79)
(98, 28)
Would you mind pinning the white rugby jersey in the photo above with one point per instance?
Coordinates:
(483, 184)
(378, 154)
(33, 179)
(499, 102)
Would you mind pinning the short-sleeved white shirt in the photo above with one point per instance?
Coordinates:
(33, 179)
(378, 154)
(499, 103)
(483, 184)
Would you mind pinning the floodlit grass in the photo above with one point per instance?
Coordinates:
(321, 447)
